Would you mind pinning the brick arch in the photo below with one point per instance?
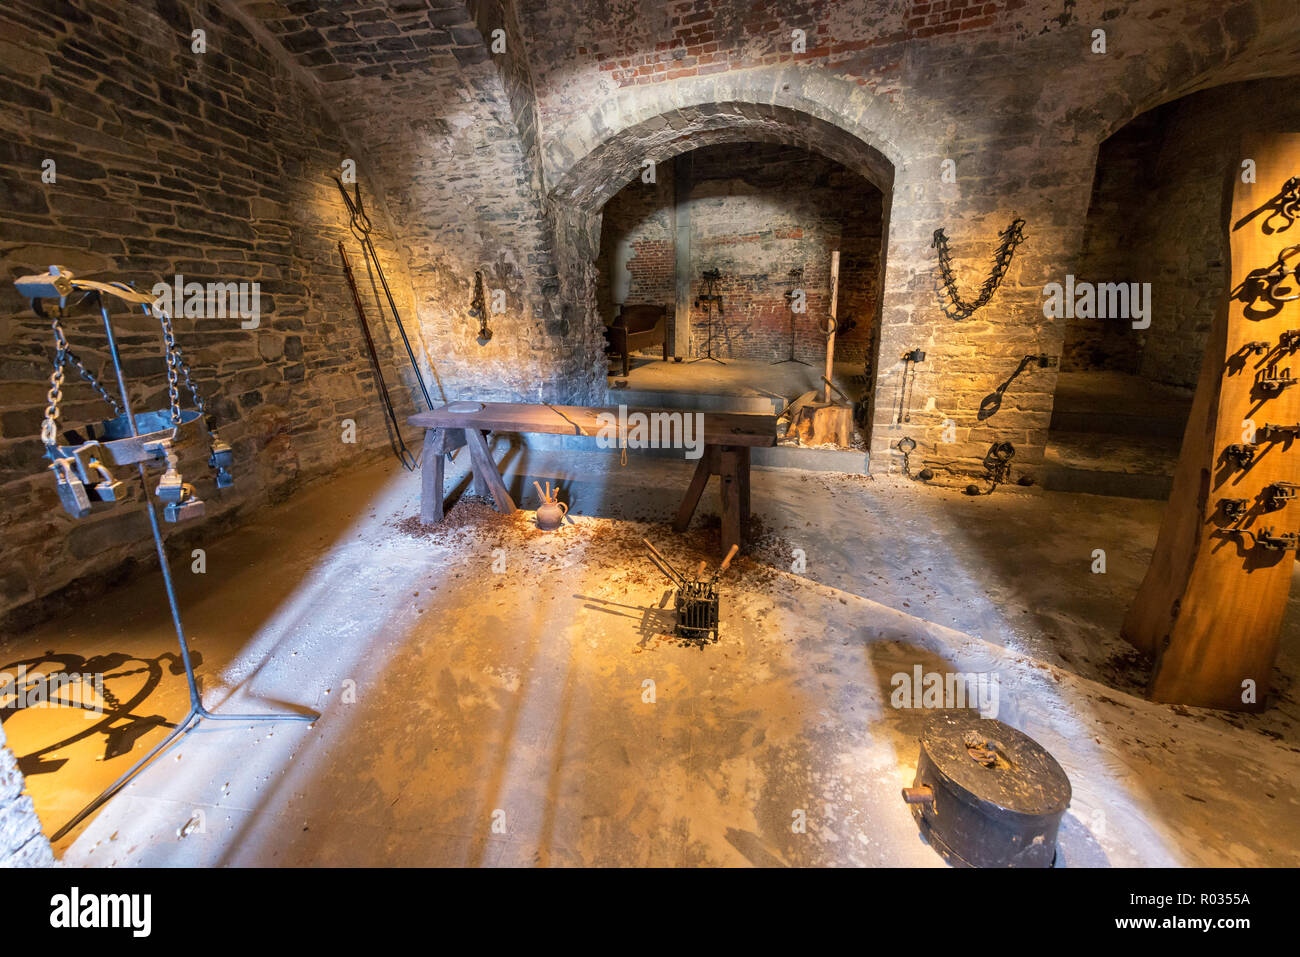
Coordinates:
(595, 155)
(1255, 41)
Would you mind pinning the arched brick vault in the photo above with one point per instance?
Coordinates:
(587, 183)
(610, 164)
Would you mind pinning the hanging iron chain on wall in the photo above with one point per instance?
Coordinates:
(958, 309)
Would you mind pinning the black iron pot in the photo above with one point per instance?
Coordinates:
(986, 795)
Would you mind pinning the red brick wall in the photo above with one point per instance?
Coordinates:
(701, 36)
(757, 212)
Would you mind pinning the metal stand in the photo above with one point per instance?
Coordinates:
(197, 711)
(708, 298)
(791, 357)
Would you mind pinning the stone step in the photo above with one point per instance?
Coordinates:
(1124, 465)
(1112, 403)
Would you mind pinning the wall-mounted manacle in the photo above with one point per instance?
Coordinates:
(997, 468)
(1271, 380)
(1286, 266)
(1265, 290)
(992, 402)
(1269, 540)
(1285, 207)
(1241, 455)
(907, 445)
(1277, 494)
(1234, 508)
(911, 359)
(1277, 433)
(958, 309)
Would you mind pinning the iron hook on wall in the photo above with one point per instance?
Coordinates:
(478, 310)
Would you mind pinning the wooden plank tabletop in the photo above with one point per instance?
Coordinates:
(720, 428)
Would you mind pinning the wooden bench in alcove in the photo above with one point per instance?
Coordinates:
(637, 327)
(727, 437)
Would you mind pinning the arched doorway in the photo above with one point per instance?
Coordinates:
(1156, 224)
(768, 220)
(587, 184)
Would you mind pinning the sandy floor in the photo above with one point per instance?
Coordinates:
(490, 694)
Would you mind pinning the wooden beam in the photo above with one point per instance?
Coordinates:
(720, 428)
(704, 468)
(682, 254)
(830, 339)
(1210, 608)
(485, 472)
(432, 472)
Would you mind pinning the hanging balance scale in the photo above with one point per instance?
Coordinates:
(985, 794)
(83, 461)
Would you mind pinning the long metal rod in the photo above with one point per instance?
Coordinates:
(403, 453)
(196, 712)
(669, 572)
(383, 281)
(361, 229)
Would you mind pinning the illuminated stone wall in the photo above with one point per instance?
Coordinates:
(488, 136)
(213, 165)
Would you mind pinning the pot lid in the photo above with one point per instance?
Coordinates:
(995, 763)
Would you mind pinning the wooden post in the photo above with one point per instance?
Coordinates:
(1210, 608)
(830, 339)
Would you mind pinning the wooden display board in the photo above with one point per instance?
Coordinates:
(1210, 608)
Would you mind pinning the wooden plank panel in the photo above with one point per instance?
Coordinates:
(432, 471)
(720, 428)
(485, 471)
(1211, 605)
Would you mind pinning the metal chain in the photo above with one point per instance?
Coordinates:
(94, 383)
(50, 425)
(176, 363)
(957, 309)
(64, 356)
(172, 356)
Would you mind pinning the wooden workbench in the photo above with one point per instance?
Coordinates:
(727, 437)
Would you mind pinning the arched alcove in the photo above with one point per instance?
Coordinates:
(621, 160)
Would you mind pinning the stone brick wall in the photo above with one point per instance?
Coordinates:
(1015, 94)
(213, 165)
(450, 128)
(500, 159)
(1157, 216)
(756, 212)
(22, 843)
(637, 261)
